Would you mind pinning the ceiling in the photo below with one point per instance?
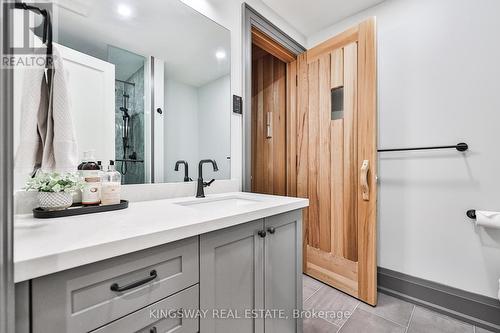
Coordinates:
(311, 16)
(167, 29)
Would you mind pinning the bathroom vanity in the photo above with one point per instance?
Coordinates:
(225, 263)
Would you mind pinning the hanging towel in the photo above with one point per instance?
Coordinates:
(47, 139)
(33, 119)
(60, 150)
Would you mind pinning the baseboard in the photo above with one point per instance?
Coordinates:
(475, 309)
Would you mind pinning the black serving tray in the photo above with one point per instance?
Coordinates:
(77, 209)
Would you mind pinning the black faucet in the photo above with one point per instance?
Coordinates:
(186, 170)
(200, 191)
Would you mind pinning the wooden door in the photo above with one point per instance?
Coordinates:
(336, 166)
(268, 123)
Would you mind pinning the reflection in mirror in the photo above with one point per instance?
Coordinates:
(149, 84)
(129, 114)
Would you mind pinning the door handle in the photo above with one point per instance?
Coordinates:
(152, 275)
(262, 233)
(365, 188)
(269, 125)
(271, 230)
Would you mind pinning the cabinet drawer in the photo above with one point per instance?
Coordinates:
(160, 317)
(82, 299)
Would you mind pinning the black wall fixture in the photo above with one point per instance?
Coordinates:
(471, 213)
(237, 104)
(461, 147)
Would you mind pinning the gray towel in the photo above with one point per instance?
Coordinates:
(47, 137)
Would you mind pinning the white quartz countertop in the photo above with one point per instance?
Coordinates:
(46, 246)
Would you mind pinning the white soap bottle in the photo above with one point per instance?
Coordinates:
(111, 186)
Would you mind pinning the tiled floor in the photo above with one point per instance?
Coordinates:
(346, 314)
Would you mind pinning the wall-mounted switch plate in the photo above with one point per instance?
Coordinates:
(237, 104)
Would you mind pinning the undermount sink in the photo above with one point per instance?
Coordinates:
(219, 203)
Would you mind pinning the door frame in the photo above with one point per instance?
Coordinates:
(251, 18)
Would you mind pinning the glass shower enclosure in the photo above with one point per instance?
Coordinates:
(129, 114)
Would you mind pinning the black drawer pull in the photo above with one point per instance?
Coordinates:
(151, 277)
(153, 330)
(271, 230)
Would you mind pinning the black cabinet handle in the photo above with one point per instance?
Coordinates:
(271, 230)
(153, 330)
(159, 110)
(151, 277)
(262, 233)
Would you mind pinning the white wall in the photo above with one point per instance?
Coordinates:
(181, 129)
(197, 126)
(438, 70)
(229, 14)
(214, 130)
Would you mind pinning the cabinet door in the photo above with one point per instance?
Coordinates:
(231, 278)
(283, 270)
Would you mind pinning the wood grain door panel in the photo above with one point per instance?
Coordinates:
(314, 153)
(339, 225)
(269, 102)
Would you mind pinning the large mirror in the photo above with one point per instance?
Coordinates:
(149, 83)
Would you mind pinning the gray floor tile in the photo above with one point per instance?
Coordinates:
(310, 286)
(362, 321)
(318, 325)
(339, 305)
(391, 308)
(482, 330)
(425, 321)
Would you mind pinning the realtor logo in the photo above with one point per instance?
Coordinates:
(28, 44)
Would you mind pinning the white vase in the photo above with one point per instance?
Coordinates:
(55, 200)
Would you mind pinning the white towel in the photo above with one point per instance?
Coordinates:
(47, 135)
(34, 106)
(60, 150)
(488, 219)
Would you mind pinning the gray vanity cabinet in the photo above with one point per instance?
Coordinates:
(283, 270)
(91, 296)
(255, 265)
(232, 278)
(235, 278)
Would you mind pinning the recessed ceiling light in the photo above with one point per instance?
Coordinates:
(124, 10)
(221, 54)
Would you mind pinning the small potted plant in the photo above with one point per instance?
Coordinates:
(54, 189)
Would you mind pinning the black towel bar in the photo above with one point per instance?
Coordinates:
(462, 146)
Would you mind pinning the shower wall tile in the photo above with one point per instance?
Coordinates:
(133, 173)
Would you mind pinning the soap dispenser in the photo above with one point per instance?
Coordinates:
(111, 186)
(89, 171)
